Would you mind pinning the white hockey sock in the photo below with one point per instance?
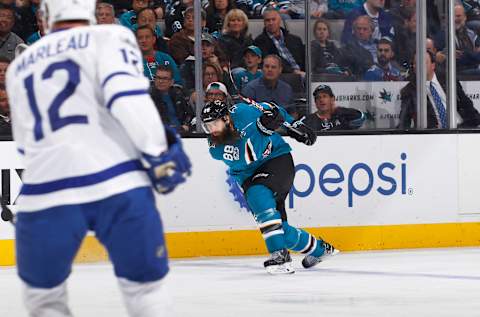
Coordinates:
(46, 302)
(149, 299)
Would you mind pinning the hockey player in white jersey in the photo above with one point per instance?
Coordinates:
(93, 144)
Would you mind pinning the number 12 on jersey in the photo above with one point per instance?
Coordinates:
(56, 121)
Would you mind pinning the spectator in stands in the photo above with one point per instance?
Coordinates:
(216, 91)
(405, 41)
(211, 73)
(467, 44)
(170, 101)
(25, 20)
(216, 13)
(174, 16)
(252, 58)
(4, 62)
(152, 58)
(120, 6)
(128, 19)
(385, 69)
(472, 10)
(397, 11)
(382, 20)
(181, 45)
(270, 87)
(326, 58)
(235, 37)
(278, 41)
(8, 39)
(330, 117)
(148, 16)
(212, 54)
(105, 13)
(436, 101)
(360, 52)
(340, 9)
(41, 31)
(5, 121)
(318, 8)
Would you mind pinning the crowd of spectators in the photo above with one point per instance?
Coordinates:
(376, 42)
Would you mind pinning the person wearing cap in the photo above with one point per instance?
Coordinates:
(235, 37)
(181, 44)
(385, 69)
(171, 101)
(252, 58)
(151, 58)
(216, 91)
(330, 117)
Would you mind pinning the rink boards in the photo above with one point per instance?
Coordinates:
(358, 192)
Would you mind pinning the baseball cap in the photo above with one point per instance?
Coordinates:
(323, 88)
(255, 49)
(208, 37)
(217, 86)
(190, 9)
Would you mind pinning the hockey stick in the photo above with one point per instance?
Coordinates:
(6, 215)
(286, 124)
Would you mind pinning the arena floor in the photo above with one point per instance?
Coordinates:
(433, 282)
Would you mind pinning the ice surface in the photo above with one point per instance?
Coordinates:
(433, 282)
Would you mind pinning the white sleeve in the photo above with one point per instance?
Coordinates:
(125, 90)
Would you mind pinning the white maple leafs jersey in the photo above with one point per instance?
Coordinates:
(82, 116)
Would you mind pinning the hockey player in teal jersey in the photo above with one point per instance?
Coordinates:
(243, 136)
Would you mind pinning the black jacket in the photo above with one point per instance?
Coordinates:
(5, 126)
(326, 58)
(234, 47)
(408, 114)
(293, 43)
(342, 119)
(183, 110)
(357, 58)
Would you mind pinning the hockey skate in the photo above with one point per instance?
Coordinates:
(280, 262)
(311, 260)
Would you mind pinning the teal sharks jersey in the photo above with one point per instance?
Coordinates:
(253, 148)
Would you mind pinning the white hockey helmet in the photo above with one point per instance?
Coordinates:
(67, 10)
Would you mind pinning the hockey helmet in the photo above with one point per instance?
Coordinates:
(212, 111)
(67, 10)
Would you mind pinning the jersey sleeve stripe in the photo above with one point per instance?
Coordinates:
(125, 94)
(81, 181)
(113, 75)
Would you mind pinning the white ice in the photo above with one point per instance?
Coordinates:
(433, 282)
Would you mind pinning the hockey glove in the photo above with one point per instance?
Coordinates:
(302, 133)
(270, 120)
(171, 167)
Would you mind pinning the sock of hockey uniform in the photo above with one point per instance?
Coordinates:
(301, 241)
(150, 299)
(262, 203)
(46, 302)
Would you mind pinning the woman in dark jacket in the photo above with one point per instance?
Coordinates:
(235, 37)
(216, 12)
(327, 58)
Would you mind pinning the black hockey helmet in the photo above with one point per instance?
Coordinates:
(214, 110)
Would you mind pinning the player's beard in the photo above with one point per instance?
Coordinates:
(228, 136)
